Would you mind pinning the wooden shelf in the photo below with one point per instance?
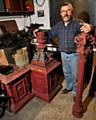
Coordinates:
(16, 13)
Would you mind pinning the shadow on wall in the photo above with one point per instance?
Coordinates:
(84, 15)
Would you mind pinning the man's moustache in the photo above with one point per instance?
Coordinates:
(66, 16)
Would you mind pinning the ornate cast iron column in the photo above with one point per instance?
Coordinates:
(84, 46)
(45, 71)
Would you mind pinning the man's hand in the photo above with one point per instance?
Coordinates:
(85, 27)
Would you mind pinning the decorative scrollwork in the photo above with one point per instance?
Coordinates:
(84, 43)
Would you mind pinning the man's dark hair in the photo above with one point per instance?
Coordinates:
(63, 3)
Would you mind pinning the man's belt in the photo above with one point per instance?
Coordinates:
(70, 52)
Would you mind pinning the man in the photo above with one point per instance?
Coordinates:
(66, 30)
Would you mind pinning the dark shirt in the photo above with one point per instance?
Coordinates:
(66, 34)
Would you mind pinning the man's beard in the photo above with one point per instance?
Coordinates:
(66, 18)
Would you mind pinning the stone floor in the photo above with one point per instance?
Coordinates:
(60, 108)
